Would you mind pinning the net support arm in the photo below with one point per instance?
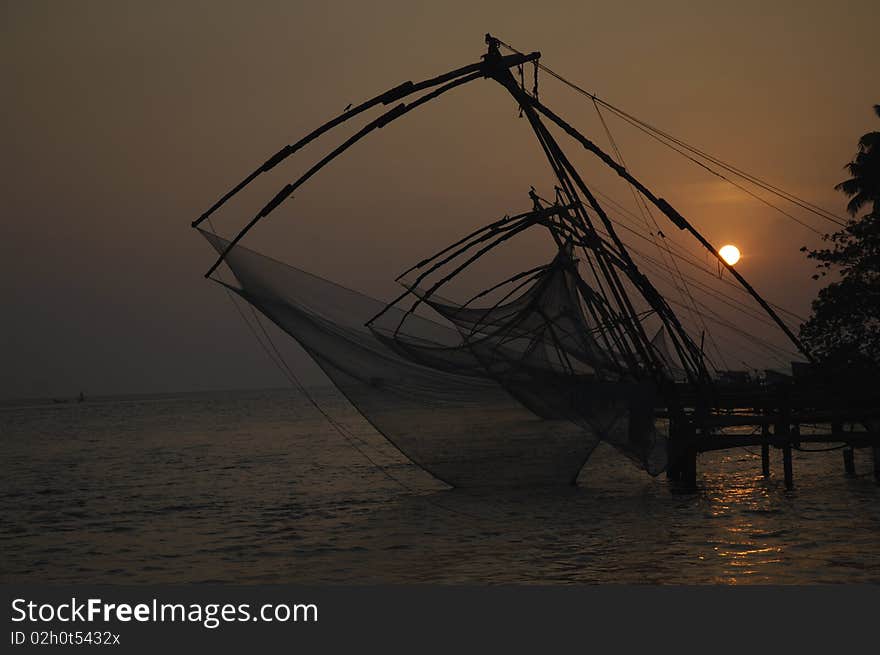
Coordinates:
(480, 69)
(673, 215)
(391, 95)
(491, 227)
(380, 122)
(497, 236)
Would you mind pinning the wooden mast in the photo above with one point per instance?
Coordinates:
(452, 80)
(570, 180)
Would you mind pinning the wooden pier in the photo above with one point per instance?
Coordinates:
(778, 416)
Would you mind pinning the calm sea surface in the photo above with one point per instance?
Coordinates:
(248, 487)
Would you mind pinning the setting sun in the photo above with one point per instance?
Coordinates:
(730, 254)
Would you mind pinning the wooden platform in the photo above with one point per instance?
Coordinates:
(783, 417)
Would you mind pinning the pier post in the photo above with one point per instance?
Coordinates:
(786, 464)
(673, 460)
(672, 468)
(689, 474)
(849, 464)
(765, 449)
(783, 429)
(682, 454)
(877, 463)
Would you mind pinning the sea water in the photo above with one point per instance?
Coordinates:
(257, 486)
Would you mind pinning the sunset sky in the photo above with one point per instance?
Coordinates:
(123, 121)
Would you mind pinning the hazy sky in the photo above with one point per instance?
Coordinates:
(123, 121)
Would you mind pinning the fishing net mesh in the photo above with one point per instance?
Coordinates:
(516, 393)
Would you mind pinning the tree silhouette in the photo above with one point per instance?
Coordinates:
(843, 330)
(864, 185)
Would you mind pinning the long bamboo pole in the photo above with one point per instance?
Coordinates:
(391, 95)
(677, 219)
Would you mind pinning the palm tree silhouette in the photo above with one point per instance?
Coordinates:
(843, 329)
(864, 185)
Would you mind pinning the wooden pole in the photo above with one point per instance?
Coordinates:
(849, 461)
(376, 124)
(570, 180)
(782, 430)
(765, 449)
(677, 219)
(689, 479)
(392, 95)
(673, 463)
(786, 463)
(876, 450)
(682, 453)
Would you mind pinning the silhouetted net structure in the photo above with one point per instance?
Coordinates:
(518, 384)
(518, 392)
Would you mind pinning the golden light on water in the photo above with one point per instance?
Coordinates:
(730, 254)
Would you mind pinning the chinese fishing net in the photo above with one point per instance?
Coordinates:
(519, 392)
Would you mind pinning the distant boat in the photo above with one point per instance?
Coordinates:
(81, 398)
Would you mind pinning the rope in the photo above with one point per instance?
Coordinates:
(714, 316)
(685, 255)
(683, 291)
(729, 181)
(663, 137)
(535, 87)
(522, 85)
(726, 299)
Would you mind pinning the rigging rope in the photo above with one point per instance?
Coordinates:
(707, 289)
(683, 291)
(687, 257)
(715, 317)
(535, 87)
(662, 136)
(769, 348)
(732, 183)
